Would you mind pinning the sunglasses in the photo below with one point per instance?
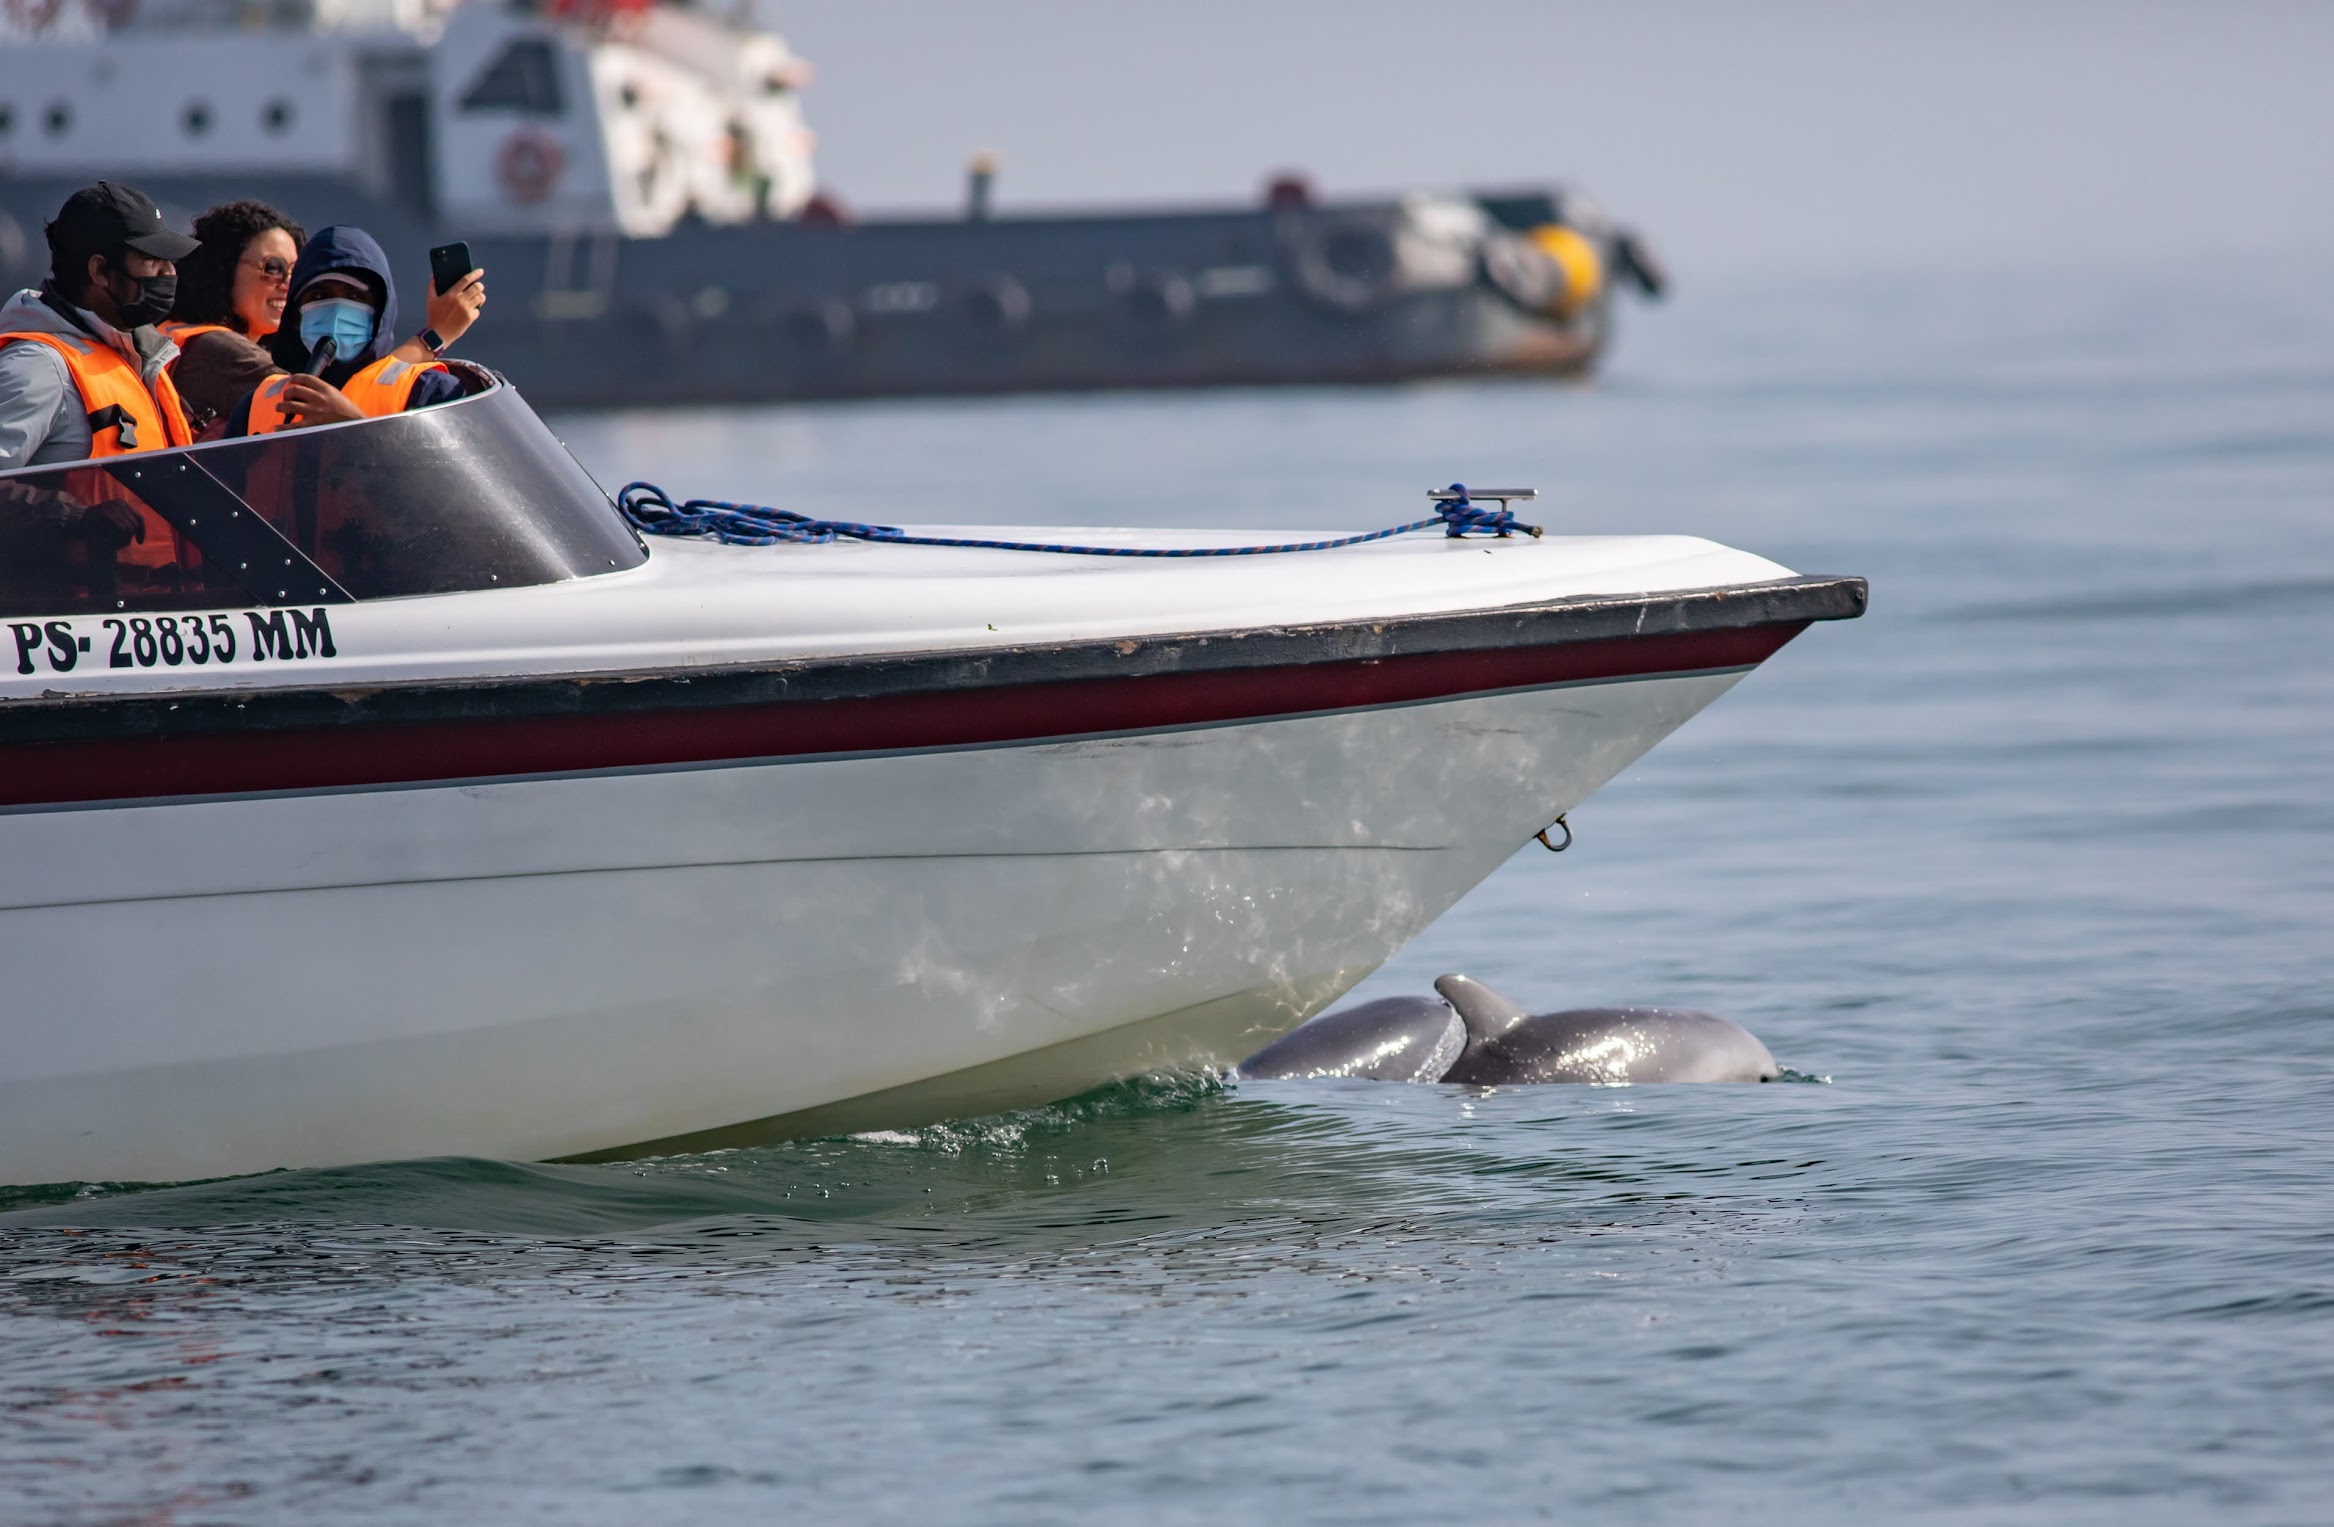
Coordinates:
(277, 271)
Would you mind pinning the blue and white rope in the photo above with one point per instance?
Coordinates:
(652, 512)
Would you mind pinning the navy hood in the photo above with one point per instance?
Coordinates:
(339, 250)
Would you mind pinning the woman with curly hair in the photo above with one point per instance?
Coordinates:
(231, 294)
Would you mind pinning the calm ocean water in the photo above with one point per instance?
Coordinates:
(2030, 874)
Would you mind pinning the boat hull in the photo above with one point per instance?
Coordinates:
(563, 966)
(326, 915)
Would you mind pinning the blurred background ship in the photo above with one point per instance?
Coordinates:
(637, 180)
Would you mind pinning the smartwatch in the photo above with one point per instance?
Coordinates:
(430, 338)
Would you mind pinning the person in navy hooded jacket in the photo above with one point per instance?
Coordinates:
(337, 342)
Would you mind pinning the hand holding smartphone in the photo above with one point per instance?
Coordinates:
(457, 291)
(449, 263)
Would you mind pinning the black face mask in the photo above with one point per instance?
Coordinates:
(156, 294)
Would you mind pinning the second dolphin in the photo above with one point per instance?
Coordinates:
(1475, 1035)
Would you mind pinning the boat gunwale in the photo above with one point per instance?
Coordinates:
(89, 716)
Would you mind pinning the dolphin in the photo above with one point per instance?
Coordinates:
(1394, 1039)
(1611, 1045)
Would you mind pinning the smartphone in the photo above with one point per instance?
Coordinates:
(449, 263)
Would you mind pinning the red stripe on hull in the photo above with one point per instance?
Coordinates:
(375, 754)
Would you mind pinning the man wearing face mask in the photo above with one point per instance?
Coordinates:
(337, 343)
(81, 363)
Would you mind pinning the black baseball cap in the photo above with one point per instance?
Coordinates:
(107, 216)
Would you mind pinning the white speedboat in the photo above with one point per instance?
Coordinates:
(390, 797)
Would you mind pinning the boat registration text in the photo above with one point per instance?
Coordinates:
(170, 641)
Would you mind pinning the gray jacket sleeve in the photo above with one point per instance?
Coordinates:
(38, 405)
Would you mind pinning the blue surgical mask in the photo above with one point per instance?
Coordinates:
(345, 321)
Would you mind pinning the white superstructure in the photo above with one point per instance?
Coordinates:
(495, 117)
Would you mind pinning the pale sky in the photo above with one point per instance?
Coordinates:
(1744, 136)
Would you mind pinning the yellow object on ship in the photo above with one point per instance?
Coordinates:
(1583, 267)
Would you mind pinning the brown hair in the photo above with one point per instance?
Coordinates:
(206, 278)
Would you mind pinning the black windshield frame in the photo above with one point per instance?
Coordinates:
(463, 496)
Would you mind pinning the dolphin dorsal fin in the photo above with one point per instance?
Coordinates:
(1485, 1012)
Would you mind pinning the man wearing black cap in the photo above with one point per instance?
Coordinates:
(81, 363)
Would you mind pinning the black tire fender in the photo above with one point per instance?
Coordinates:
(989, 310)
(652, 332)
(1512, 267)
(817, 327)
(1348, 265)
(1156, 302)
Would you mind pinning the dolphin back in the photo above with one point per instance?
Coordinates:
(1615, 1046)
(1395, 1039)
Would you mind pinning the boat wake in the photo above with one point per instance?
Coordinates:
(1166, 1092)
(1174, 1154)
(870, 1178)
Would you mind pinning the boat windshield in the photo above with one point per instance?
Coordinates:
(473, 494)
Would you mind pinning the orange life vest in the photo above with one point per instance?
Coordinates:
(182, 332)
(379, 390)
(124, 415)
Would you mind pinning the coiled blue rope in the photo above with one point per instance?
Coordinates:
(652, 511)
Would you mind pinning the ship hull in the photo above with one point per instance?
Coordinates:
(1350, 292)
